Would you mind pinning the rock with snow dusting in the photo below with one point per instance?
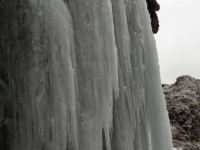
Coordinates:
(183, 104)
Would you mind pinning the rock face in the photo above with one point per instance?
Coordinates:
(183, 104)
(80, 75)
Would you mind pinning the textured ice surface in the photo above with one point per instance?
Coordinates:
(83, 75)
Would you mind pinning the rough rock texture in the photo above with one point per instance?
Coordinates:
(153, 6)
(183, 104)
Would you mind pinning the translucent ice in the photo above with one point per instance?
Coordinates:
(83, 75)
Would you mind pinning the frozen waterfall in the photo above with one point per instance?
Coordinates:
(80, 75)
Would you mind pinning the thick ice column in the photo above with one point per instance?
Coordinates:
(61, 77)
(96, 57)
(140, 108)
(80, 75)
(158, 121)
(40, 109)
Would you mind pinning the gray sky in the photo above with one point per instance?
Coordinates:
(178, 40)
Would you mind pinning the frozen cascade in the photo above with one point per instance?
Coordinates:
(80, 75)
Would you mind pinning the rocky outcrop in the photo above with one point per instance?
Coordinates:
(183, 104)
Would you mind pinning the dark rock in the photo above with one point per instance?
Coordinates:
(153, 6)
(183, 104)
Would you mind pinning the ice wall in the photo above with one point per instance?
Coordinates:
(80, 75)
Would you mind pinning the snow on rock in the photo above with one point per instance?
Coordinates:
(183, 104)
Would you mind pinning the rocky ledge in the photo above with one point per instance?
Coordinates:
(183, 104)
